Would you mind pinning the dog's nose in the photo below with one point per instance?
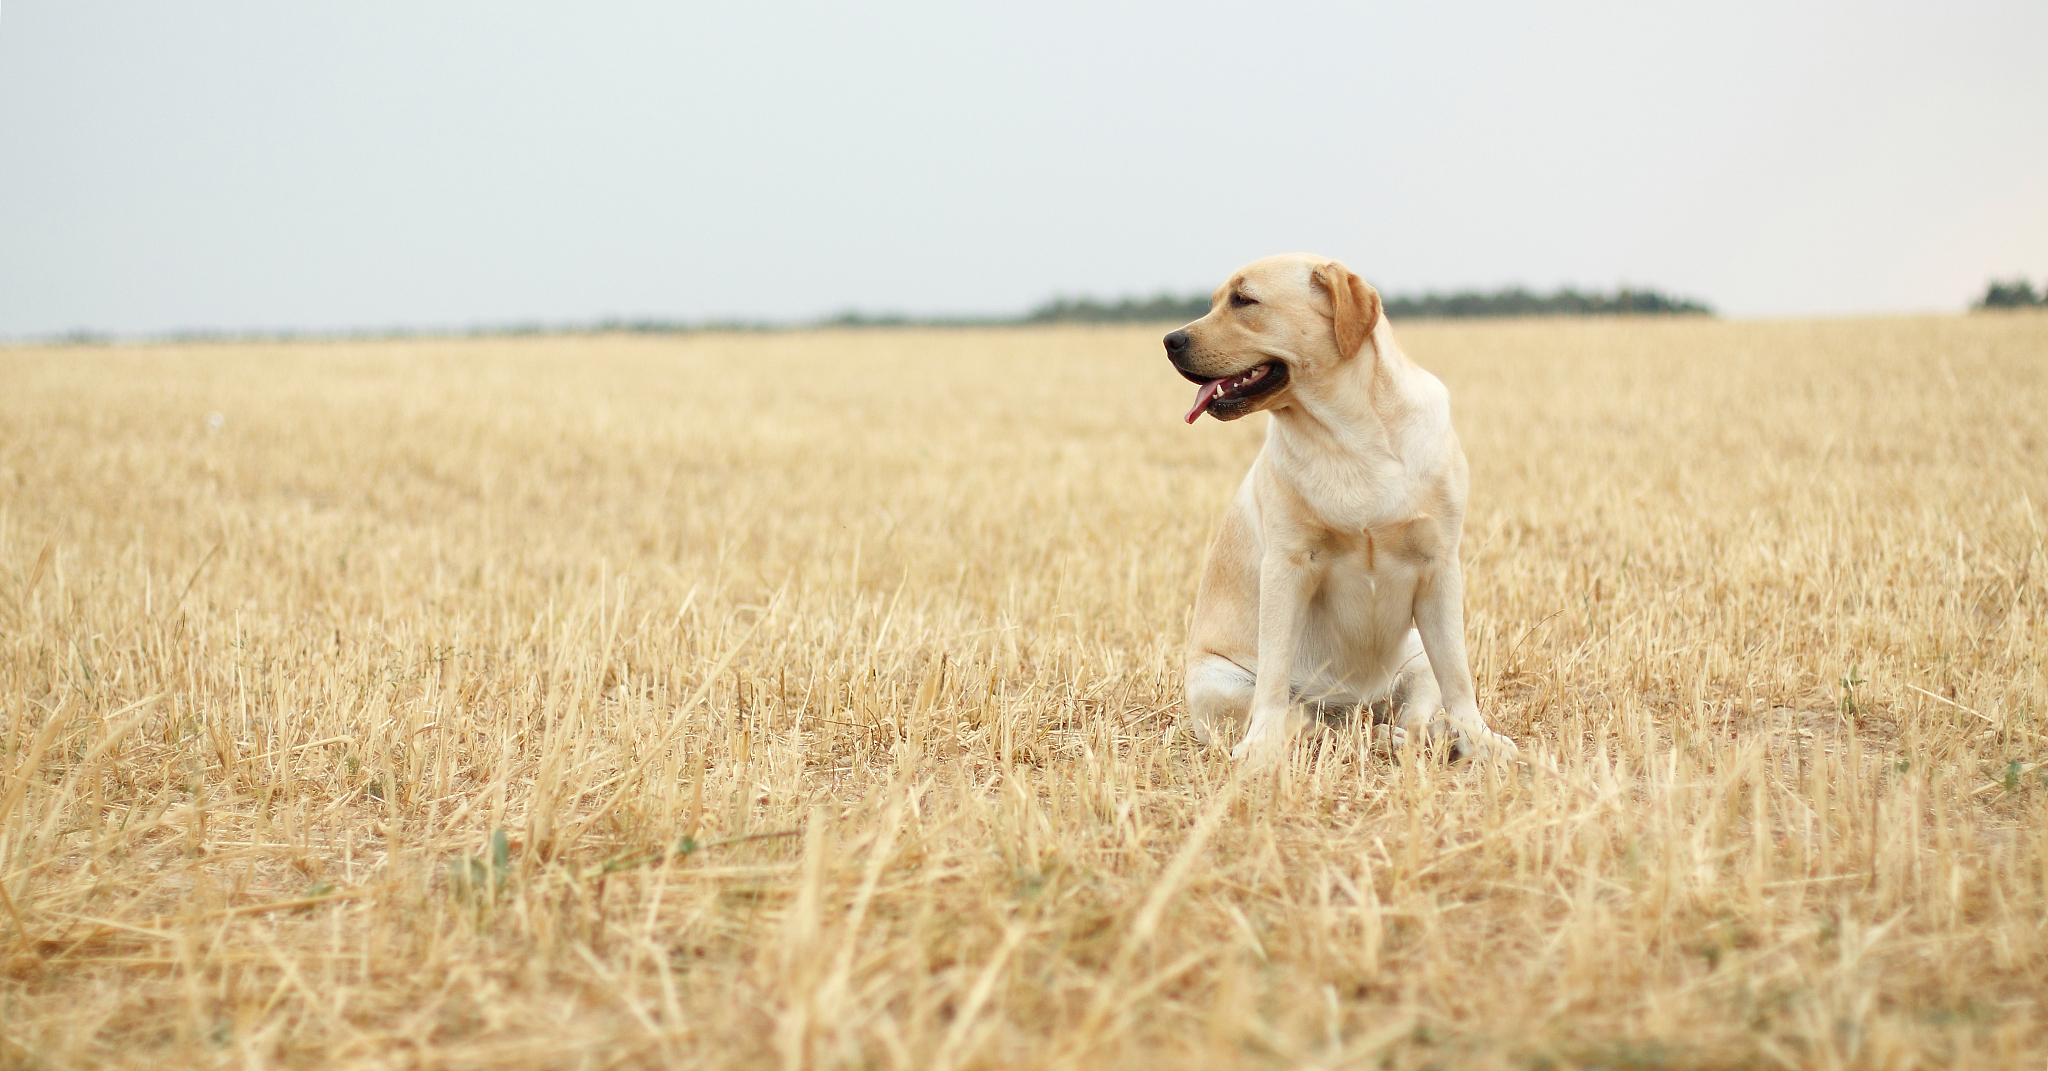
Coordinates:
(1176, 344)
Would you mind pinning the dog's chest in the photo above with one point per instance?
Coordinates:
(1354, 494)
(1363, 605)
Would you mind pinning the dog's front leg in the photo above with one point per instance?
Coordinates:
(1440, 618)
(1289, 572)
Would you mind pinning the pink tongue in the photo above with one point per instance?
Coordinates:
(1202, 399)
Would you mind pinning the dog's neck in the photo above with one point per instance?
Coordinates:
(1350, 411)
(1357, 430)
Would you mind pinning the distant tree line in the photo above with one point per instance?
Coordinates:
(1514, 301)
(1165, 308)
(2013, 293)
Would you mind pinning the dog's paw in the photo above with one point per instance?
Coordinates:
(1389, 738)
(1484, 745)
(1259, 749)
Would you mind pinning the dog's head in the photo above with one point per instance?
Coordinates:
(1277, 323)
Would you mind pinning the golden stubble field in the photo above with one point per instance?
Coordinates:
(804, 700)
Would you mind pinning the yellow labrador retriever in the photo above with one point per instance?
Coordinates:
(1334, 583)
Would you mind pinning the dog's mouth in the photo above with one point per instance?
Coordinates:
(1230, 397)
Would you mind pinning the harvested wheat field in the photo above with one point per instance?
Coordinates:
(806, 700)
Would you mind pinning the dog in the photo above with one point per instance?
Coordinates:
(1334, 583)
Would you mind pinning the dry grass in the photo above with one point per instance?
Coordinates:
(801, 700)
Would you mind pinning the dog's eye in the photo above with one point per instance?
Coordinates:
(1238, 301)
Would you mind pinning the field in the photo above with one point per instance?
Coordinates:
(807, 700)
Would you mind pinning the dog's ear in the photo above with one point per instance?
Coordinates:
(1354, 306)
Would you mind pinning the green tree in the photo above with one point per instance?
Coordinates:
(2013, 293)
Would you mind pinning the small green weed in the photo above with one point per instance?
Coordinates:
(483, 877)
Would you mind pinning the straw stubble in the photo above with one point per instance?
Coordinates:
(805, 700)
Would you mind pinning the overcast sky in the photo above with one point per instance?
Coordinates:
(242, 166)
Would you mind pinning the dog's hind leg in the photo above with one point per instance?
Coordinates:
(1219, 699)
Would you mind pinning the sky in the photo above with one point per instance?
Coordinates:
(370, 165)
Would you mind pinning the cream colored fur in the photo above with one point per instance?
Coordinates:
(1334, 580)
